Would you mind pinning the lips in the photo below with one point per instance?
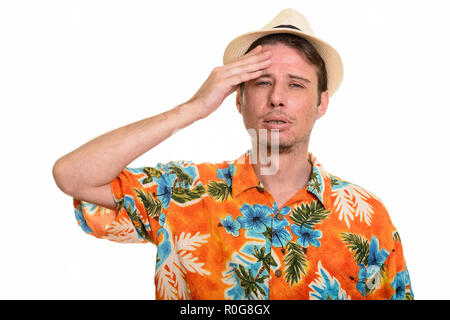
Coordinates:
(276, 119)
(276, 122)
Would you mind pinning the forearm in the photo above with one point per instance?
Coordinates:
(100, 161)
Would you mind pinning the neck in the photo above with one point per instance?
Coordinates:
(283, 170)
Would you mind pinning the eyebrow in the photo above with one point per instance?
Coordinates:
(292, 76)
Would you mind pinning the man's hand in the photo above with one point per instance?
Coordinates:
(86, 172)
(224, 80)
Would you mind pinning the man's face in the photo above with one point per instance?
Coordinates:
(287, 89)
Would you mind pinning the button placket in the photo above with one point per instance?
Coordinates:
(280, 217)
(272, 252)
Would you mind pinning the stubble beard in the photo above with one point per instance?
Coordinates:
(285, 146)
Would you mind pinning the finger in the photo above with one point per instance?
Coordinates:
(261, 56)
(247, 68)
(237, 80)
(255, 50)
(252, 67)
(244, 77)
(260, 53)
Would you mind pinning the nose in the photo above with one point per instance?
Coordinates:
(277, 96)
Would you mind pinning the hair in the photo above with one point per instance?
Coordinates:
(304, 47)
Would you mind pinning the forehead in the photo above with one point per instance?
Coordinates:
(288, 59)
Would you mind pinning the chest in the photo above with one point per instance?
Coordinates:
(252, 243)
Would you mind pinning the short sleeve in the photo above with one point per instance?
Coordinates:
(398, 282)
(383, 274)
(142, 199)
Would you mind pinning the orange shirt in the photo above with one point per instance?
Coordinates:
(220, 235)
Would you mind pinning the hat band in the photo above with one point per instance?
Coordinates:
(287, 26)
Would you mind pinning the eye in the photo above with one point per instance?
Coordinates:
(297, 85)
(262, 83)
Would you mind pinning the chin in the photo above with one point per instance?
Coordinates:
(283, 147)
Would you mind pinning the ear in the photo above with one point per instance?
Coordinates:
(238, 99)
(322, 107)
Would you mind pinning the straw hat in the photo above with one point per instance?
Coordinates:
(291, 21)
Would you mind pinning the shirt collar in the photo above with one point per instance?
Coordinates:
(243, 177)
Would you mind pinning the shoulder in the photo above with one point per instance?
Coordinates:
(339, 186)
(356, 203)
(362, 211)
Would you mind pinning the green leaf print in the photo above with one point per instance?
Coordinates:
(219, 190)
(295, 263)
(152, 206)
(266, 259)
(182, 178)
(137, 222)
(309, 214)
(359, 245)
(334, 181)
(396, 236)
(315, 184)
(184, 195)
(151, 172)
(250, 284)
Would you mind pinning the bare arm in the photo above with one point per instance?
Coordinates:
(86, 172)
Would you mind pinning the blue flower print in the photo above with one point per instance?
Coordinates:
(280, 236)
(256, 218)
(284, 211)
(128, 203)
(226, 174)
(164, 190)
(166, 181)
(399, 284)
(81, 220)
(231, 226)
(376, 257)
(162, 219)
(369, 276)
(164, 248)
(362, 276)
(307, 236)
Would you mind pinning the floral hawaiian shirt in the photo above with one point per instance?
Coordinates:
(220, 235)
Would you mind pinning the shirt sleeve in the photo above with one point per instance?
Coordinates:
(397, 283)
(142, 199)
(383, 274)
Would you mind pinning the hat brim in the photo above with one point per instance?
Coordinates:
(333, 63)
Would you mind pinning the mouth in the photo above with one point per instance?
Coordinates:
(276, 122)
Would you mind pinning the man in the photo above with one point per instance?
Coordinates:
(238, 229)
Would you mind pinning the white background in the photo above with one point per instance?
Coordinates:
(73, 70)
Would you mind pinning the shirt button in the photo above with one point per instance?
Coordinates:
(260, 187)
(278, 273)
(279, 216)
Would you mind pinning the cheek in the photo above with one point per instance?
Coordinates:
(246, 116)
(250, 121)
(307, 117)
(250, 112)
